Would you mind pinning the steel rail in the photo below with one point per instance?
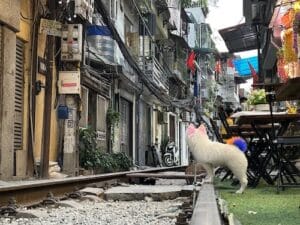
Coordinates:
(29, 192)
(206, 211)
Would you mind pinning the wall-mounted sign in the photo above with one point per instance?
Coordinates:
(42, 66)
(69, 82)
(50, 27)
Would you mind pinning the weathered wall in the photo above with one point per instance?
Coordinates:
(9, 18)
(9, 13)
(39, 112)
(7, 109)
(25, 35)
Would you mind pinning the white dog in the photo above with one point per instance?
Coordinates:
(211, 154)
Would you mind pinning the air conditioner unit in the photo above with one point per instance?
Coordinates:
(186, 116)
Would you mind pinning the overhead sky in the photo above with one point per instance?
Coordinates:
(223, 14)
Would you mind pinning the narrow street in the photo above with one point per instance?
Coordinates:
(172, 104)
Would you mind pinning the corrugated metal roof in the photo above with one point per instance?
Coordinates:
(242, 65)
(239, 38)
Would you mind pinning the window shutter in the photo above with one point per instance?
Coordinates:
(18, 124)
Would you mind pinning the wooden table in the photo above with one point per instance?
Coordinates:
(247, 117)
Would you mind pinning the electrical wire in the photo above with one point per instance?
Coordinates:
(149, 34)
(155, 90)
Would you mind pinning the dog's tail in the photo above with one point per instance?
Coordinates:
(239, 142)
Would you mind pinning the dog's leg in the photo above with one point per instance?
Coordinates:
(210, 173)
(241, 175)
(244, 182)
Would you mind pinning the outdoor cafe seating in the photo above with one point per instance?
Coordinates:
(268, 151)
(267, 145)
(271, 149)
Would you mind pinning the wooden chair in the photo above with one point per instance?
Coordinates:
(215, 129)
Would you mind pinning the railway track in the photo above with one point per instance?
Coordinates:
(31, 192)
(46, 192)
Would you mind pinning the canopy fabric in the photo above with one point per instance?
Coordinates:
(242, 65)
(239, 38)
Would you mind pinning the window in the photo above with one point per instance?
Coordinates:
(18, 123)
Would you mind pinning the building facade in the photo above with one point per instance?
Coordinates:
(113, 66)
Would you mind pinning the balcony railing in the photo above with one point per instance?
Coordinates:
(155, 71)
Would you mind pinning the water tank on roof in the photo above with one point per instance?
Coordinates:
(99, 38)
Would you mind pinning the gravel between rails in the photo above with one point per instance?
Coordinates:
(113, 213)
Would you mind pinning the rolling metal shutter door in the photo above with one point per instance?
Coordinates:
(18, 124)
(126, 126)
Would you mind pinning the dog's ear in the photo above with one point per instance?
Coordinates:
(190, 130)
(202, 130)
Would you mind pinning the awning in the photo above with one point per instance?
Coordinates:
(242, 66)
(239, 38)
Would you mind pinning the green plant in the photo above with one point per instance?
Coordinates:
(261, 205)
(121, 161)
(257, 97)
(92, 157)
(194, 3)
(113, 117)
(87, 148)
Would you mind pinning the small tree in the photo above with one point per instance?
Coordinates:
(194, 3)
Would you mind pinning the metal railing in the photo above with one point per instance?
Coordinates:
(155, 71)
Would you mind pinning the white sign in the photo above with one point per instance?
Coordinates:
(50, 27)
(69, 82)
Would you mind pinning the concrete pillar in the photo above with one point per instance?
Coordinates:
(71, 156)
(7, 109)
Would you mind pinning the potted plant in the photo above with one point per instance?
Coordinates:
(257, 98)
(113, 117)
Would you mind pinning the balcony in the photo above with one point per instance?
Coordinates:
(180, 70)
(154, 70)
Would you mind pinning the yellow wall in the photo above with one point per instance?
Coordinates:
(54, 121)
(39, 112)
(24, 34)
